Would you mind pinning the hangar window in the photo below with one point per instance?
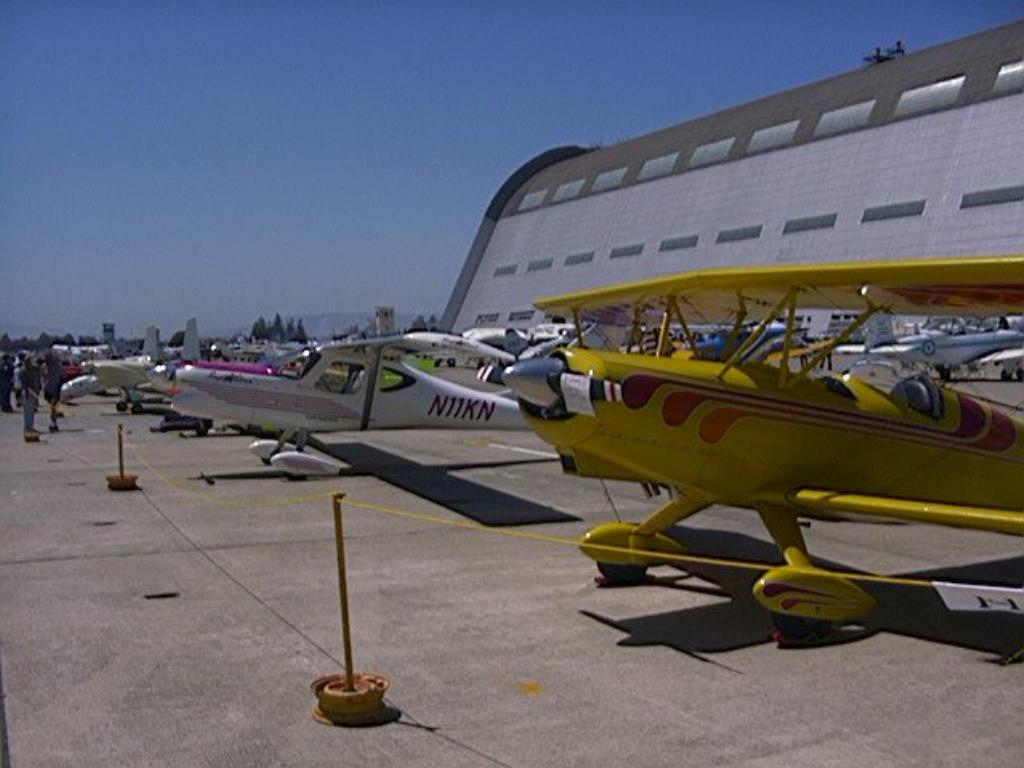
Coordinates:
(934, 96)
(893, 211)
(487, 317)
(825, 221)
(992, 197)
(844, 119)
(706, 154)
(772, 137)
(678, 243)
(609, 179)
(532, 200)
(739, 233)
(568, 190)
(626, 250)
(523, 314)
(658, 166)
(538, 265)
(579, 258)
(1010, 77)
(508, 269)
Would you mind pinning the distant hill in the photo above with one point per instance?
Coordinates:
(326, 324)
(19, 330)
(320, 325)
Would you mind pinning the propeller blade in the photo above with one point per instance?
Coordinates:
(491, 374)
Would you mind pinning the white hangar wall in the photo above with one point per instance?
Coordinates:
(903, 185)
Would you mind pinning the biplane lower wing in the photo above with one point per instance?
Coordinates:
(981, 518)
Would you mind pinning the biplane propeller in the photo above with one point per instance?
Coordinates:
(780, 439)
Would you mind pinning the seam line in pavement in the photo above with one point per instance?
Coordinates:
(5, 748)
(206, 555)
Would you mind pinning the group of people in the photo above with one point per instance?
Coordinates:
(30, 380)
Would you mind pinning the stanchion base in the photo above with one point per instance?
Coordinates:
(361, 707)
(122, 482)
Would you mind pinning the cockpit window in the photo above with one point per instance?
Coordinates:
(920, 394)
(341, 378)
(392, 380)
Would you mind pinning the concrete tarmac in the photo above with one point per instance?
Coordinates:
(183, 624)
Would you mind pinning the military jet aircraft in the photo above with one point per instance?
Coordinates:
(780, 439)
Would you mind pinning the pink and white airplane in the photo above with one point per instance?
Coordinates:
(342, 386)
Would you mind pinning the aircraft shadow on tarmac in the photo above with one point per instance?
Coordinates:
(433, 482)
(741, 621)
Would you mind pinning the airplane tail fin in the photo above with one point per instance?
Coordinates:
(878, 331)
(190, 346)
(151, 346)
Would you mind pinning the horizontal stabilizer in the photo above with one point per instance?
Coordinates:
(1003, 356)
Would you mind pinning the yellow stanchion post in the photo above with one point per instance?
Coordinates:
(353, 698)
(121, 481)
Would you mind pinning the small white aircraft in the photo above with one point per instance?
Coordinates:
(342, 386)
(131, 373)
(945, 349)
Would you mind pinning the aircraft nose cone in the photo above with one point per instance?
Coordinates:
(535, 381)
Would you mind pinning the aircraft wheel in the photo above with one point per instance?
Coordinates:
(201, 430)
(615, 575)
(136, 408)
(121, 407)
(268, 462)
(1005, 375)
(796, 630)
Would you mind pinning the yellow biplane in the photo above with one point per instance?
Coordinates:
(781, 439)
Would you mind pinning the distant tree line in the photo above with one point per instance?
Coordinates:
(278, 330)
(43, 341)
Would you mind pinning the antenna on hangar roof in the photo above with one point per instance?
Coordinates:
(892, 52)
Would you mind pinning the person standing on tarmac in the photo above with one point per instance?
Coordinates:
(30, 386)
(18, 362)
(6, 382)
(52, 378)
(53, 375)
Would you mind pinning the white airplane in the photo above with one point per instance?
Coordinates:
(342, 386)
(131, 373)
(944, 349)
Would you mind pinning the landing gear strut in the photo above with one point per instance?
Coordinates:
(300, 436)
(624, 551)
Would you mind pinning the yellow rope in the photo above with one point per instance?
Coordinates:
(511, 532)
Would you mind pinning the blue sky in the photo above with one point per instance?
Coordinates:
(224, 159)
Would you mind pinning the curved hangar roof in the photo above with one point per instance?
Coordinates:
(753, 174)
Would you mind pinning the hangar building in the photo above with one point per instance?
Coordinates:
(917, 156)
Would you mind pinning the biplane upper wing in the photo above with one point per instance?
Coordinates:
(975, 285)
(982, 518)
